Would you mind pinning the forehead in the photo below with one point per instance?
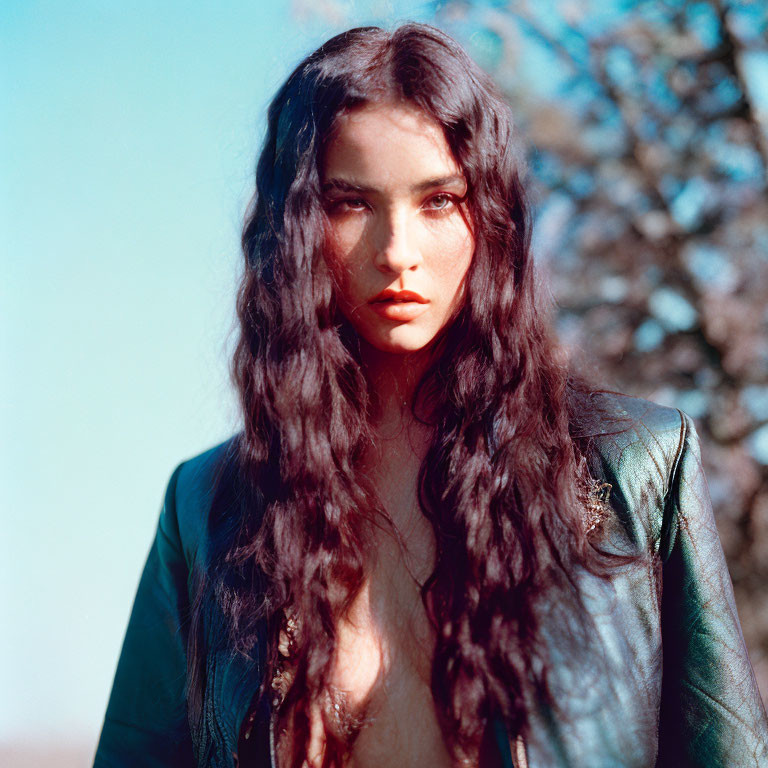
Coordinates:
(387, 142)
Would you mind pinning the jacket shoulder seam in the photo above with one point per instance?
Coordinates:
(669, 519)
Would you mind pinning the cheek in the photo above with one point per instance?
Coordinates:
(344, 235)
(452, 257)
(342, 244)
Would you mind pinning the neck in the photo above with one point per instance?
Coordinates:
(392, 380)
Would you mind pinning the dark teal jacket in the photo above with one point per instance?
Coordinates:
(676, 687)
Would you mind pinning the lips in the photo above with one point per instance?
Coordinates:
(390, 295)
(400, 306)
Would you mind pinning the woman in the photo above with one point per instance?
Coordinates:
(431, 544)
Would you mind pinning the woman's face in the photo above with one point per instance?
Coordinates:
(399, 241)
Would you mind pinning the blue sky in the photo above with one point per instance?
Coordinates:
(128, 135)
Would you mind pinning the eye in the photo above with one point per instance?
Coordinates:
(441, 202)
(348, 204)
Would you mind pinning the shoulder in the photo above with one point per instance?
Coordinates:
(635, 446)
(199, 484)
(633, 434)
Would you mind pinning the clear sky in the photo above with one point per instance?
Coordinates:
(128, 134)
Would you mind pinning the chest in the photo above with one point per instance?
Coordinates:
(380, 683)
(382, 669)
(385, 644)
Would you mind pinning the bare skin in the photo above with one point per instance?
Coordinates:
(386, 644)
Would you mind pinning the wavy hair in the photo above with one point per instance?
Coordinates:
(505, 484)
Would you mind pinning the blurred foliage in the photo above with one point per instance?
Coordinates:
(647, 126)
(648, 134)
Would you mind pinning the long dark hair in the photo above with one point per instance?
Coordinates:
(505, 483)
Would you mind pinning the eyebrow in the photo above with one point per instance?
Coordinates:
(342, 185)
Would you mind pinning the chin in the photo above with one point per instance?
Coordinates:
(398, 343)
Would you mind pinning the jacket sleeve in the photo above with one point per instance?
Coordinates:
(146, 718)
(711, 711)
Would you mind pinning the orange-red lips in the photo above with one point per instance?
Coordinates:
(400, 306)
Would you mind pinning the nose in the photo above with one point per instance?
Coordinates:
(395, 244)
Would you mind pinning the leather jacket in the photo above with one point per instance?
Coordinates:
(676, 687)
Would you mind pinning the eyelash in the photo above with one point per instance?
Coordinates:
(452, 201)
